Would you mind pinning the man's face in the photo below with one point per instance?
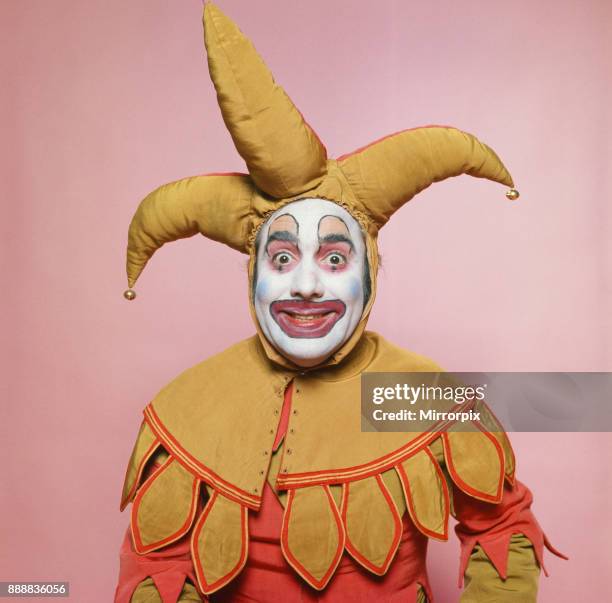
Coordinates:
(309, 292)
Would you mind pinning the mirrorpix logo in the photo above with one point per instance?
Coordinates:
(418, 401)
(427, 395)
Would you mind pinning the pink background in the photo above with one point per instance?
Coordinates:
(105, 100)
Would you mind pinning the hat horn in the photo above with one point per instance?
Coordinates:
(283, 154)
(390, 171)
(216, 206)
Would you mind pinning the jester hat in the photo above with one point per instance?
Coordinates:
(286, 161)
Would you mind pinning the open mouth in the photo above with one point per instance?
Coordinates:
(306, 319)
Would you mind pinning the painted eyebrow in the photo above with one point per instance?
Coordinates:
(336, 238)
(281, 235)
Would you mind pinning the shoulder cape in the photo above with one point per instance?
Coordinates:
(216, 423)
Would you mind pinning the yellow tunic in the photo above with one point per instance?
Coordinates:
(330, 473)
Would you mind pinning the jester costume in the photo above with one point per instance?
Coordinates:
(251, 479)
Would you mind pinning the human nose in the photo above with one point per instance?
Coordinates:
(306, 282)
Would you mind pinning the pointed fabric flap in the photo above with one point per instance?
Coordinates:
(169, 585)
(426, 493)
(145, 446)
(491, 424)
(164, 507)
(475, 462)
(220, 542)
(509, 460)
(497, 551)
(372, 523)
(312, 536)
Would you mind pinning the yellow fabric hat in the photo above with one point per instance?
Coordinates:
(286, 161)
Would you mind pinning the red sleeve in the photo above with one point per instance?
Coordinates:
(492, 526)
(168, 567)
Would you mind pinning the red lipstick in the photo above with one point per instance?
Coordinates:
(307, 319)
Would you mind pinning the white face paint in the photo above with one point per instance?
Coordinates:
(309, 292)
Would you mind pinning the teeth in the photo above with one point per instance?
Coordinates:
(307, 317)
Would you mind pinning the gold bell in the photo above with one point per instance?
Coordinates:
(513, 194)
(129, 294)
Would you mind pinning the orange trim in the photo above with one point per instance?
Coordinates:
(496, 498)
(410, 502)
(139, 546)
(382, 138)
(207, 588)
(510, 475)
(379, 465)
(397, 536)
(194, 466)
(292, 560)
(221, 174)
(130, 495)
(207, 174)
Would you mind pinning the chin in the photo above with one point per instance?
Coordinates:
(305, 352)
(307, 357)
(305, 362)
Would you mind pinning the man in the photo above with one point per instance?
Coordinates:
(250, 478)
